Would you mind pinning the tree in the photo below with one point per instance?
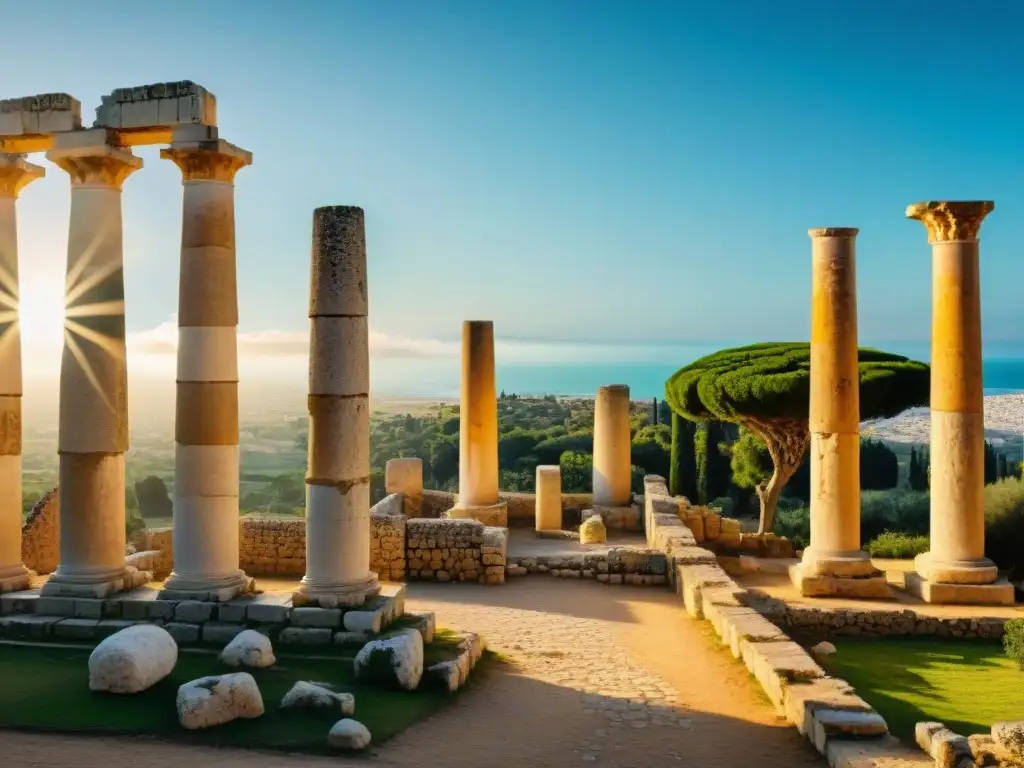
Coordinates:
(151, 494)
(750, 461)
(1004, 468)
(991, 466)
(766, 388)
(918, 477)
(712, 465)
(879, 466)
(682, 476)
(577, 472)
(654, 411)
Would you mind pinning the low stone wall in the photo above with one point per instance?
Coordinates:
(455, 550)
(521, 506)
(619, 565)
(40, 535)
(273, 547)
(159, 542)
(435, 503)
(387, 538)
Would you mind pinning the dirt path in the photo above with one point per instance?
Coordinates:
(599, 676)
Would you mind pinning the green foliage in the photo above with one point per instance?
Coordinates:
(896, 544)
(1004, 525)
(991, 464)
(793, 520)
(879, 467)
(772, 381)
(577, 472)
(750, 461)
(682, 475)
(917, 477)
(712, 465)
(152, 496)
(1013, 640)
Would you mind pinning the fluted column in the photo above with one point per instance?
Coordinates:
(478, 428)
(955, 568)
(612, 460)
(834, 563)
(93, 425)
(206, 460)
(15, 173)
(338, 473)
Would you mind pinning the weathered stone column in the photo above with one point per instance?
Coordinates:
(206, 552)
(834, 563)
(405, 476)
(955, 570)
(93, 424)
(612, 447)
(478, 429)
(15, 173)
(548, 512)
(338, 476)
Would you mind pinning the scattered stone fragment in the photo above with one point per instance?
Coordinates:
(218, 699)
(946, 748)
(593, 531)
(447, 673)
(305, 694)
(349, 734)
(396, 659)
(824, 649)
(249, 649)
(1009, 739)
(132, 660)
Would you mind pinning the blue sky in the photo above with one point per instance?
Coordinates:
(581, 171)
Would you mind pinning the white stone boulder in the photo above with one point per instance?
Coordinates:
(304, 694)
(395, 659)
(824, 649)
(249, 649)
(1009, 739)
(349, 734)
(218, 699)
(132, 660)
(447, 674)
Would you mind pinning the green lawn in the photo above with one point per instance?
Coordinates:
(967, 685)
(47, 688)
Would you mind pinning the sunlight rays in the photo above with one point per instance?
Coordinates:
(83, 363)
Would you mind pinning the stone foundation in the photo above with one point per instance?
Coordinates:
(870, 587)
(455, 550)
(387, 539)
(495, 515)
(618, 518)
(619, 565)
(40, 535)
(998, 593)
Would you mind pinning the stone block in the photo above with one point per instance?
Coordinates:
(55, 606)
(76, 629)
(305, 636)
(998, 593)
(805, 697)
(267, 613)
(24, 601)
(746, 624)
(218, 632)
(365, 622)
(193, 611)
(351, 638)
(183, 632)
(27, 627)
(691, 580)
(90, 609)
(881, 752)
(108, 627)
(831, 723)
(776, 665)
(693, 556)
(315, 617)
(232, 612)
(874, 587)
(158, 609)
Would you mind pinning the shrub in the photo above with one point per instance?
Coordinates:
(1004, 525)
(1013, 640)
(793, 520)
(895, 510)
(897, 544)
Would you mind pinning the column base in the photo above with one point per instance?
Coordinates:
(15, 579)
(217, 589)
(980, 571)
(491, 514)
(349, 595)
(839, 574)
(999, 592)
(619, 518)
(98, 586)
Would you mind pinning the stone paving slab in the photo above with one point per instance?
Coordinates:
(776, 665)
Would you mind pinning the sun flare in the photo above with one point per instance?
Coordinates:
(41, 311)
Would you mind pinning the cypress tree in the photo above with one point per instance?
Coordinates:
(990, 464)
(1003, 467)
(683, 469)
(913, 469)
(654, 412)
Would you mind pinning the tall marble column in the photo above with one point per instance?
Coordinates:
(93, 425)
(206, 460)
(612, 461)
(338, 473)
(15, 173)
(478, 429)
(955, 569)
(834, 563)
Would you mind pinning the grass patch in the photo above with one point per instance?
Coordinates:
(967, 685)
(47, 688)
(897, 545)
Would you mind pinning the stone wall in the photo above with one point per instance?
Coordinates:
(618, 565)
(455, 550)
(521, 506)
(160, 542)
(387, 538)
(273, 547)
(40, 535)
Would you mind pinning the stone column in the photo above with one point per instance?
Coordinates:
(206, 527)
(338, 476)
(478, 429)
(548, 514)
(405, 476)
(612, 447)
(15, 173)
(955, 570)
(834, 563)
(93, 425)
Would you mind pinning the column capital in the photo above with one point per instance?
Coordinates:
(833, 232)
(951, 220)
(100, 166)
(16, 173)
(214, 160)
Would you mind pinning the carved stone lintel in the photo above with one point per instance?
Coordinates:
(16, 173)
(208, 160)
(951, 220)
(833, 232)
(104, 166)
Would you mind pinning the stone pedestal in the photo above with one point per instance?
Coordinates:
(15, 173)
(206, 556)
(405, 476)
(478, 429)
(955, 569)
(834, 563)
(612, 447)
(338, 474)
(548, 515)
